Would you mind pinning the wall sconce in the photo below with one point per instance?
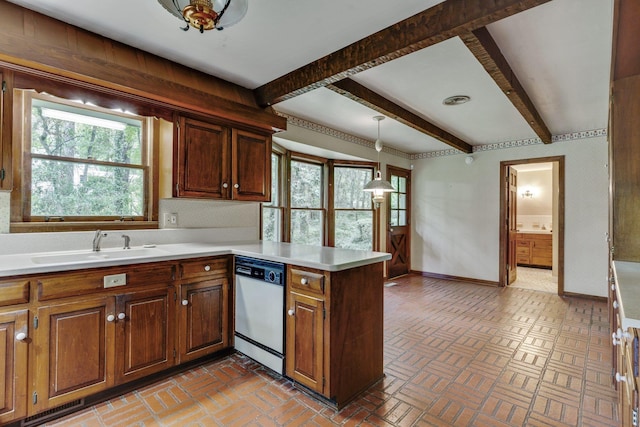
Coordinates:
(527, 193)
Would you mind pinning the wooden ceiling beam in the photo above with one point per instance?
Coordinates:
(448, 19)
(365, 96)
(487, 52)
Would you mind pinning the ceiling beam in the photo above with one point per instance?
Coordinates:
(365, 96)
(487, 52)
(448, 19)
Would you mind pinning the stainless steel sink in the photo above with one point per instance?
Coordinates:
(103, 255)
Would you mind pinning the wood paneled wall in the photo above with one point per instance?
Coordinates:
(625, 132)
(37, 42)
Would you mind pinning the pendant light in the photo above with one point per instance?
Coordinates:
(378, 186)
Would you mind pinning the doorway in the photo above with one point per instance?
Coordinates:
(399, 222)
(532, 244)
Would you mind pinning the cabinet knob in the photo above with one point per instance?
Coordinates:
(291, 312)
(236, 186)
(185, 302)
(111, 318)
(304, 281)
(621, 378)
(225, 185)
(21, 336)
(614, 340)
(207, 267)
(121, 316)
(615, 304)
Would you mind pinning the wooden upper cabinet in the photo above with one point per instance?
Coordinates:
(251, 166)
(201, 160)
(220, 162)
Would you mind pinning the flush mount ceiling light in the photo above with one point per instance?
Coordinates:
(207, 14)
(378, 186)
(456, 100)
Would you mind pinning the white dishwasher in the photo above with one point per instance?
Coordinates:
(259, 311)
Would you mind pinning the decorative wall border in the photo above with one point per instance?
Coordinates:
(306, 124)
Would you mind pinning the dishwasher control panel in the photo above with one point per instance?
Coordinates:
(268, 271)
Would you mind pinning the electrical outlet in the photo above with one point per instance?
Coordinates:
(171, 219)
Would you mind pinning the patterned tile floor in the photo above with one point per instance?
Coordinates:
(456, 354)
(537, 279)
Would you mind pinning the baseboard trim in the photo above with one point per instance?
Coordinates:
(456, 278)
(584, 296)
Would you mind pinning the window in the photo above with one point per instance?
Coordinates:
(301, 212)
(307, 207)
(398, 201)
(83, 163)
(354, 222)
(272, 212)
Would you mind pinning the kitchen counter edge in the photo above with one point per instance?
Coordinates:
(322, 258)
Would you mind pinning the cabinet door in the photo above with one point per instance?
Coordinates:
(202, 160)
(305, 340)
(13, 376)
(203, 318)
(251, 168)
(144, 327)
(73, 351)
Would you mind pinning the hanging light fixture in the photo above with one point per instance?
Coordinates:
(207, 14)
(378, 186)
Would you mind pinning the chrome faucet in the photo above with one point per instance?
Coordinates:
(127, 239)
(96, 240)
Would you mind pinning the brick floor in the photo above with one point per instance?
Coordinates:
(456, 354)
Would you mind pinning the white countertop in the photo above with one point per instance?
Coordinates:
(323, 258)
(627, 281)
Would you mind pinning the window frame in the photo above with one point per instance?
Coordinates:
(327, 195)
(21, 218)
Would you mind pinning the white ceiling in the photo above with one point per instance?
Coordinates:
(560, 52)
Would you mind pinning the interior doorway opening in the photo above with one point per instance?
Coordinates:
(532, 214)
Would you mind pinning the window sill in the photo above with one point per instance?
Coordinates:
(42, 227)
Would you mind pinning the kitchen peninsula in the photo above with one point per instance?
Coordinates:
(139, 312)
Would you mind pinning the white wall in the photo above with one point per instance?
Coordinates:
(456, 209)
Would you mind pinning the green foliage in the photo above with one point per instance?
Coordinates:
(68, 174)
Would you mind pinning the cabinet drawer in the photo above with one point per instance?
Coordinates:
(14, 292)
(522, 243)
(307, 280)
(207, 267)
(522, 251)
(89, 281)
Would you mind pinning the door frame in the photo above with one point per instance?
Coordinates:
(387, 225)
(559, 226)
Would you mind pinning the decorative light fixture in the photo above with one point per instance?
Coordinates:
(527, 193)
(378, 186)
(207, 14)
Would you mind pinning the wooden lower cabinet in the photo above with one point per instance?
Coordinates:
(143, 343)
(13, 376)
(203, 318)
(74, 351)
(534, 249)
(626, 346)
(334, 330)
(305, 340)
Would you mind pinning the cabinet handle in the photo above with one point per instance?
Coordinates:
(291, 312)
(185, 302)
(111, 318)
(614, 340)
(21, 336)
(225, 185)
(621, 378)
(207, 267)
(304, 281)
(236, 186)
(121, 316)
